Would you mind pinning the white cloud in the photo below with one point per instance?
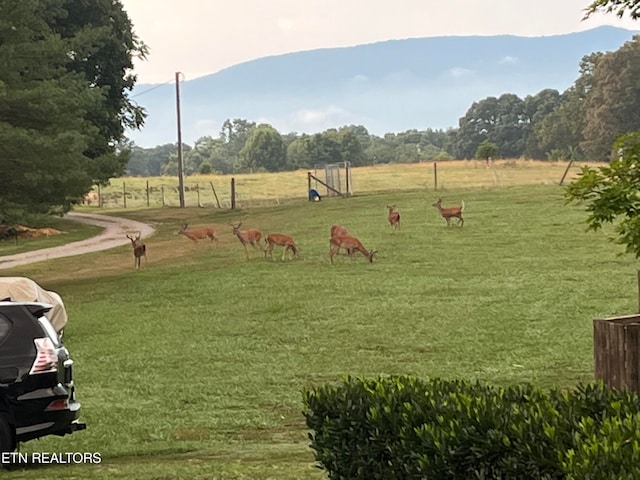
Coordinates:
(313, 120)
(459, 72)
(508, 59)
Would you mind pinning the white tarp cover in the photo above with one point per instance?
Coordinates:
(21, 289)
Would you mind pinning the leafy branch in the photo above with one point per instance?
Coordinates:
(612, 193)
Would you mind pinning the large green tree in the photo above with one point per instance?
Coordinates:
(264, 149)
(58, 133)
(103, 48)
(501, 120)
(612, 106)
(560, 133)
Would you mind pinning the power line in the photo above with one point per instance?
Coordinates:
(150, 89)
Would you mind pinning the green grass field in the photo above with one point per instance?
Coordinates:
(193, 366)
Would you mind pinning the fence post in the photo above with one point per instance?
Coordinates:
(124, 195)
(100, 200)
(435, 175)
(233, 193)
(162, 191)
(215, 194)
(309, 186)
(147, 193)
(198, 194)
(346, 171)
(566, 171)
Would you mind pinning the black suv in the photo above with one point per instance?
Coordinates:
(37, 395)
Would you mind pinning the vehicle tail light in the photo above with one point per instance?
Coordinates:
(62, 404)
(46, 357)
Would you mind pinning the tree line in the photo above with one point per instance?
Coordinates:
(65, 107)
(580, 123)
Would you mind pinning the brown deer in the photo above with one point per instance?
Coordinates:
(246, 237)
(337, 230)
(280, 240)
(196, 234)
(139, 250)
(450, 212)
(393, 217)
(351, 245)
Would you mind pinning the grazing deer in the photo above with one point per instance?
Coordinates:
(350, 244)
(139, 250)
(450, 212)
(199, 233)
(393, 217)
(250, 236)
(337, 230)
(280, 240)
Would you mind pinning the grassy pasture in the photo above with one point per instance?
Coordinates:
(270, 189)
(192, 367)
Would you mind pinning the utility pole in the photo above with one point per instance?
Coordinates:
(180, 162)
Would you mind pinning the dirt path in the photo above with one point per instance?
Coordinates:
(113, 235)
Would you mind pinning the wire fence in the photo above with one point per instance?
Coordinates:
(268, 189)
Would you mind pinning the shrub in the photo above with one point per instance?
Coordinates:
(403, 427)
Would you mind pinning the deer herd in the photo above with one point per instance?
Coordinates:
(340, 237)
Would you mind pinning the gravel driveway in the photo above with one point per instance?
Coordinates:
(113, 235)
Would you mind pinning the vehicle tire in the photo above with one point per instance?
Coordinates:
(6, 435)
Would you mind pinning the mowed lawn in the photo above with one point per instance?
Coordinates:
(193, 366)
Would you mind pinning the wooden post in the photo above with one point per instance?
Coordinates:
(638, 280)
(162, 193)
(124, 195)
(346, 171)
(180, 160)
(616, 349)
(147, 193)
(198, 194)
(566, 171)
(435, 175)
(215, 194)
(233, 193)
(309, 185)
(100, 201)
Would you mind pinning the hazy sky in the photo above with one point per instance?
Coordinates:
(198, 37)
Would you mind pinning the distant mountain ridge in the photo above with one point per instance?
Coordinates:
(388, 86)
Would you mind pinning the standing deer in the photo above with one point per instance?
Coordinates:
(280, 240)
(450, 212)
(351, 244)
(199, 233)
(393, 217)
(250, 236)
(139, 250)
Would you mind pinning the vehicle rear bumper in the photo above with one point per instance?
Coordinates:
(60, 422)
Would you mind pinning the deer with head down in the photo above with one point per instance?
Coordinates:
(351, 245)
(250, 236)
(339, 230)
(139, 250)
(450, 212)
(196, 234)
(393, 217)
(281, 240)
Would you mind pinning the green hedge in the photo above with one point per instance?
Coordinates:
(404, 428)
